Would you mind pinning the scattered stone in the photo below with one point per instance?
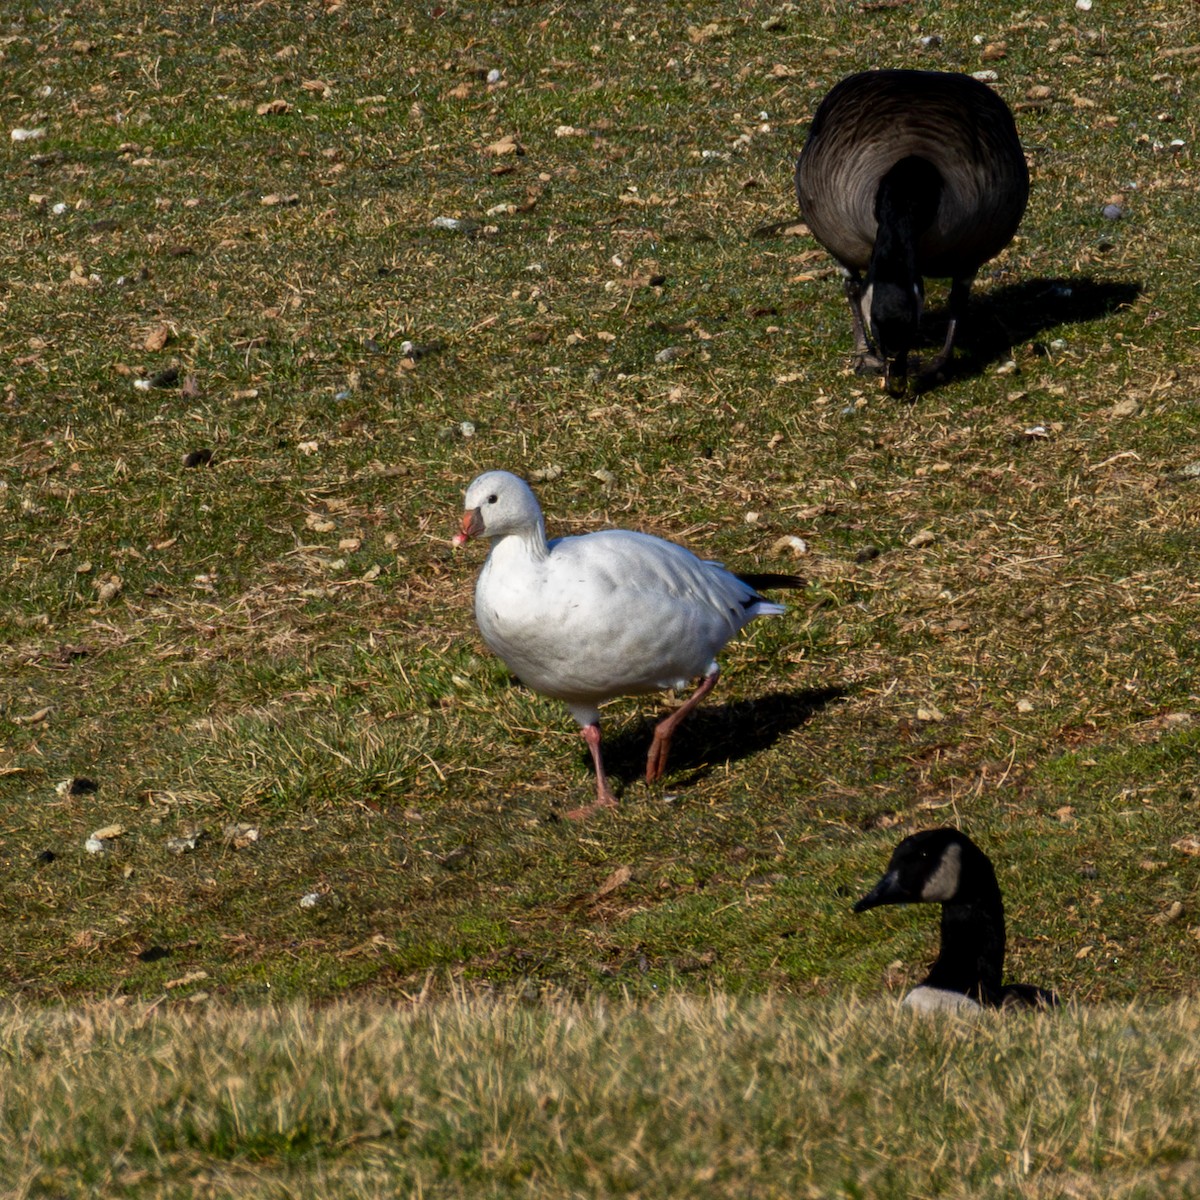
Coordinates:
(797, 545)
(506, 145)
(184, 845)
(157, 338)
(670, 354)
(1112, 212)
(95, 845)
(316, 899)
(108, 588)
(929, 712)
(926, 537)
(239, 836)
(28, 135)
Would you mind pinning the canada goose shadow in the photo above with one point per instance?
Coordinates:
(719, 733)
(1016, 313)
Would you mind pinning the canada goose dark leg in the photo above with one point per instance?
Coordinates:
(866, 362)
(656, 761)
(960, 292)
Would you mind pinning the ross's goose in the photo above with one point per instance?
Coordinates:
(612, 613)
(943, 866)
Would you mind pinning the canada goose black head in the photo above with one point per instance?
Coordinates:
(892, 312)
(936, 866)
(943, 866)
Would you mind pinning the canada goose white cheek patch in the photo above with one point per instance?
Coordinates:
(942, 885)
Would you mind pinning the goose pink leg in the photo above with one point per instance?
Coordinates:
(604, 796)
(656, 761)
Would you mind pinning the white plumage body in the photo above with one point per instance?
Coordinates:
(611, 613)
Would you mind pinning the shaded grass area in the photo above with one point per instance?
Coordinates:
(663, 1098)
(1000, 624)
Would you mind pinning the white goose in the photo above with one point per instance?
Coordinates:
(612, 613)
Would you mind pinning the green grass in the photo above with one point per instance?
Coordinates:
(283, 638)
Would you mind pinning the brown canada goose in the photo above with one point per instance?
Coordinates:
(943, 866)
(612, 613)
(906, 174)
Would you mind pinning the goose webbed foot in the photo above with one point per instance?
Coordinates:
(867, 362)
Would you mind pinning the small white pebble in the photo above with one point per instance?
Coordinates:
(59, 209)
(142, 385)
(467, 429)
(312, 899)
(95, 845)
(493, 76)
(28, 135)
(1084, 5)
(985, 76)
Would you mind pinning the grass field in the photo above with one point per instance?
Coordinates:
(278, 283)
(678, 1097)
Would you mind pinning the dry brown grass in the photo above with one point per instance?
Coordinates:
(676, 1096)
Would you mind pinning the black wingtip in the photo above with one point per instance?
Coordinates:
(771, 579)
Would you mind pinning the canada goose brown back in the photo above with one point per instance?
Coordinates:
(908, 174)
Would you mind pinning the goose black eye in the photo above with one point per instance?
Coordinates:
(492, 499)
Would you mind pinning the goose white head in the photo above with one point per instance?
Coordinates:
(498, 503)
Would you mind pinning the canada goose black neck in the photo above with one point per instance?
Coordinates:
(971, 960)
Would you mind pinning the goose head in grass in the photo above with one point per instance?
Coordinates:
(944, 866)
